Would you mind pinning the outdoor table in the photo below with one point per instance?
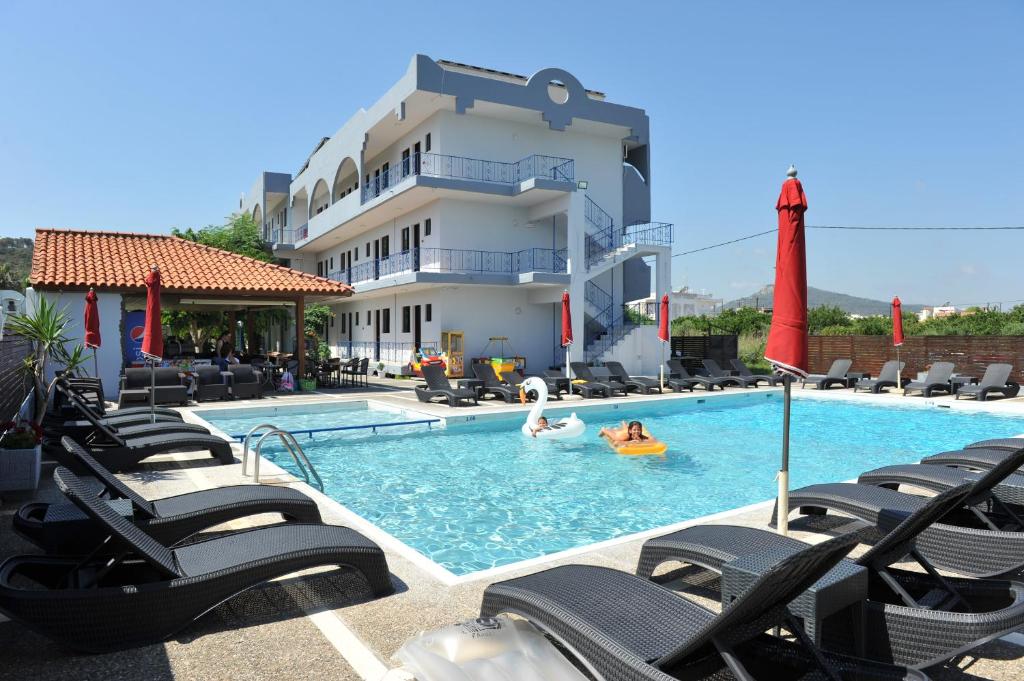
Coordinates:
(474, 384)
(853, 376)
(957, 382)
(844, 586)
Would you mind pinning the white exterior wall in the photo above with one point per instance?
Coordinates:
(109, 356)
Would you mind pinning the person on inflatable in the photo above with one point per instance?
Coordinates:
(542, 424)
(634, 432)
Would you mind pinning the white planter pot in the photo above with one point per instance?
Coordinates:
(19, 469)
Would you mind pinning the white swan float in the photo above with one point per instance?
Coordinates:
(561, 429)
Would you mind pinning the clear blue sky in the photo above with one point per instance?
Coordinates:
(133, 116)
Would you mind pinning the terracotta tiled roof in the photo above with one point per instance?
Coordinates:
(121, 260)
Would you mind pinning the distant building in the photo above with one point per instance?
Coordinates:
(687, 303)
(937, 311)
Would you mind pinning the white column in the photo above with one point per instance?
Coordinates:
(576, 247)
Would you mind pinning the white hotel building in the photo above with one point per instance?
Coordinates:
(467, 199)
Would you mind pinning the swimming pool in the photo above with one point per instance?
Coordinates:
(479, 495)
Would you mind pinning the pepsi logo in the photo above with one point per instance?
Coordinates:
(137, 333)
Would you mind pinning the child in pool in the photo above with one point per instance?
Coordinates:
(542, 424)
(634, 432)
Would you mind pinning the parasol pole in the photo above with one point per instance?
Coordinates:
(899, 376)
(95, 363)
(783, 476)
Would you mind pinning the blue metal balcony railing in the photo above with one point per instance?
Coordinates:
(647, 234)
(280, 235)
(455, 260)
(383, 351)
(459, 167)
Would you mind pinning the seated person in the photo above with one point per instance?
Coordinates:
(634, 432)
(542, 424)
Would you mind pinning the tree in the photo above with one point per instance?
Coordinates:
(826, 316)
(239, 235)
(317, 317)
(8, 279)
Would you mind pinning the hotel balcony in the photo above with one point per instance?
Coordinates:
(420, 267)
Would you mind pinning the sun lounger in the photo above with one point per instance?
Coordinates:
(493, 385)
(637, 383)
(960, 543)
(68, 391)
(995, 380)
(981, 455)
(911, 618)
(682, 380)
(716, 371)
(586, 389)
(936, 379)
(581, 370)
(62, 528)
(888, 377)
(741, 366)
(96, 431)
(557, 383)
(146, 591)
(624, 627)
(836, 375)
(438, 386)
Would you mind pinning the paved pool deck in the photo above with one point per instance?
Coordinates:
(321, 625)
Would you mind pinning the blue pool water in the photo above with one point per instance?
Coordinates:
(479, 495)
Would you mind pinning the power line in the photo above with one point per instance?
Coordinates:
(848, 227)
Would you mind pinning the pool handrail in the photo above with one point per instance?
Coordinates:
(310, 431)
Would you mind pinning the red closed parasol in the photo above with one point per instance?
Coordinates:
(92, 327)
(153, 340)
(787, 338)
(897, 335)
(566, 328)
(663, 334)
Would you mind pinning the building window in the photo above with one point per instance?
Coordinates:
(429, 312)
(406, 315)
(319, 268)
(356, 253)
(405, 239)
(331, 269)
(357, 318)
(367, 249)
(426, 227)
(386, 321)
(343, 323)
(426, 143)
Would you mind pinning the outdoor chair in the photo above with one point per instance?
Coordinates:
(638, 383)
(438, 386)
(61, 528)
(493, 385)
(586, 389)
(581, 370)
(887, 378)
(716, 371)
(556, 382)
(136, 384)
(836, 375)
(349, 369)
(937, 379)
(211, 384)
(144, 591)
(623, 627)
(245, 382)
(995, 380)
(912, 618)
(362, 374)
(981, 455)
(681, 379)
(740, 366)
(961, 543)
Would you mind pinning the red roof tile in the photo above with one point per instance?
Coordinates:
(121, 260)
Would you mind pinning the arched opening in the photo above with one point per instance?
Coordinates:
(300, 207)
(346, 180)
(257, 217)
(321, 198)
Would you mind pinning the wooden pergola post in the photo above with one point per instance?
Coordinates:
(300, 335)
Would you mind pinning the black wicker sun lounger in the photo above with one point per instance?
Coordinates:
(741, 366)
(84, 399)
(937, 379)
(582, 371)
(493, 385)
(995, 380)
(587, 389)
(640, 384)
(836, 375)
(716, 371)
(981, 455)
(624, 628)
(92, 430)
(438, 386)
(681, 379)
(888, 377)
(62, 528)
(960, 543)
(912, 618)
(147, 591)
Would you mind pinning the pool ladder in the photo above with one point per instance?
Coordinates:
(289, 442)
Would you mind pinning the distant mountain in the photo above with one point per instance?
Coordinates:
(16, 253)
(817, 297)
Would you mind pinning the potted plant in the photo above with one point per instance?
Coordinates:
(19, 455)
